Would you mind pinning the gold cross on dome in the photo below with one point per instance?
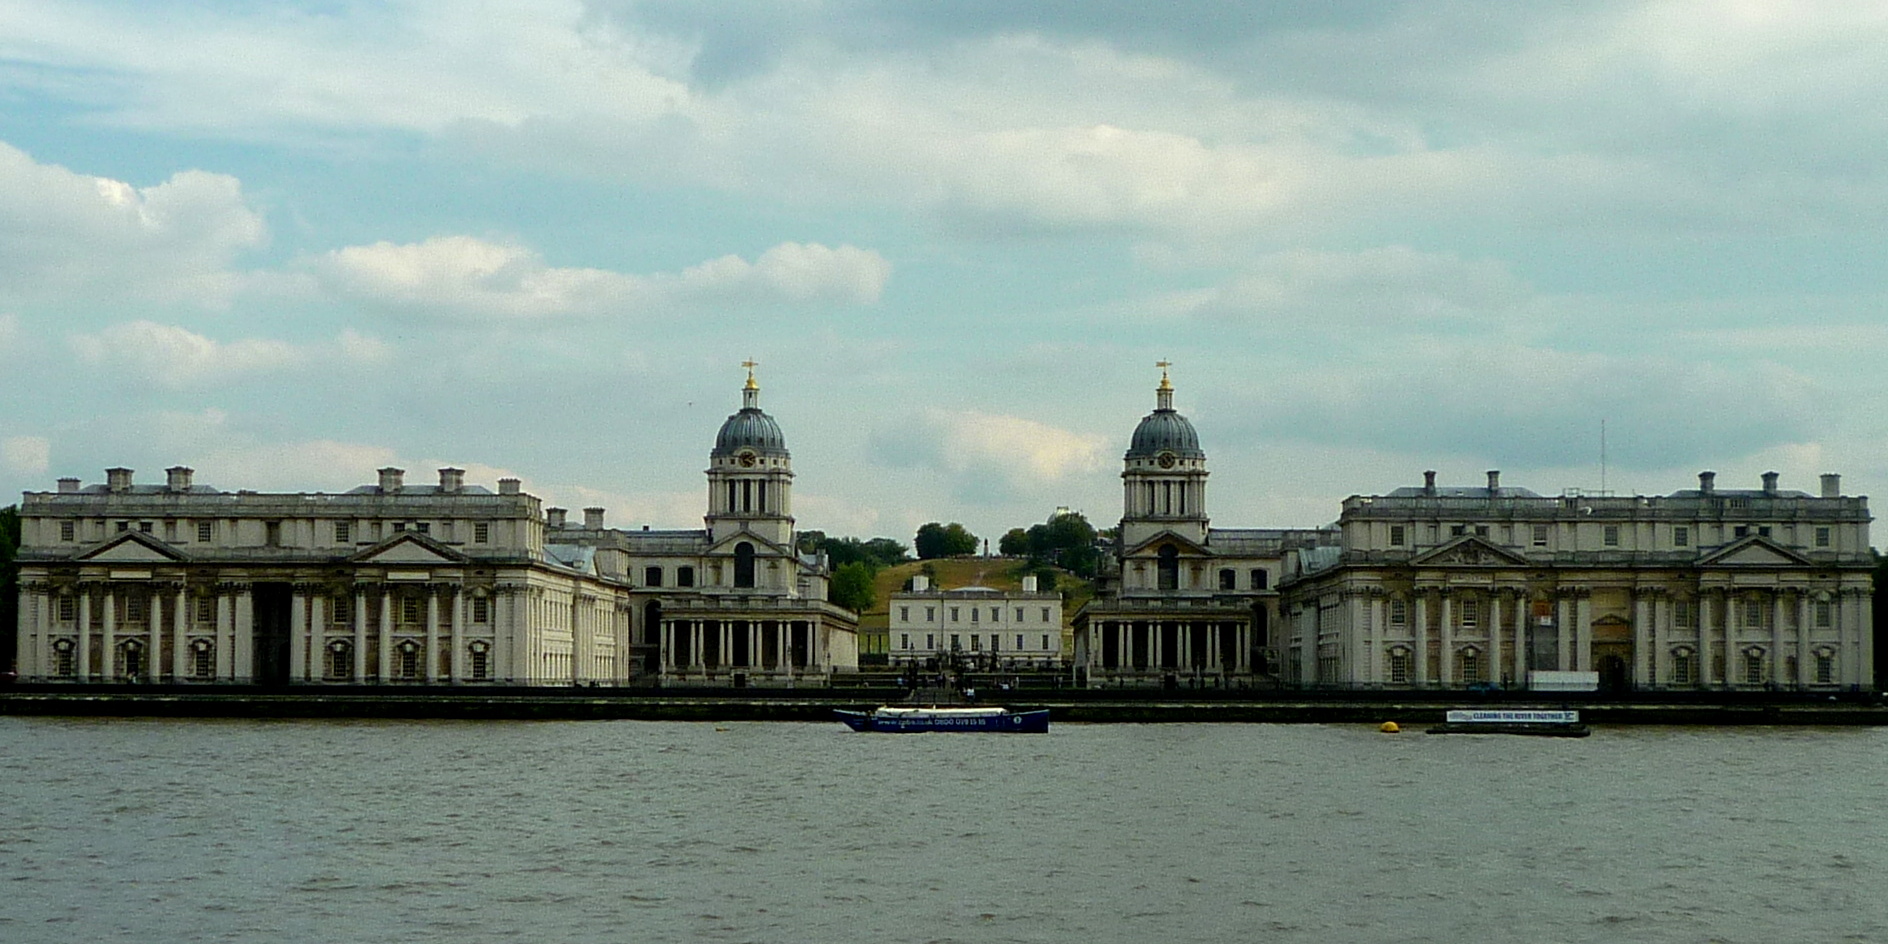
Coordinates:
(1163, 365)
(750, 364)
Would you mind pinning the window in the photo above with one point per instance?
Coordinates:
(144, 527)
(1742, 530)
(973, 642)
(930, 640)
(170, 531)
(1019, 640)
(904, 640)
(481, 610)
(1045, 644)
(68, 609)
(1763, 530)
(272, 533)
(652, 577)
(1169, 567)
(481, 532)
(1540, 535)
(1753, 667)
(206, 610)
(406, 660)
(1682, 613)
(685, 576)
(1471, 613)
(1227, 580)
(1822, 537)
(1684, 667)
(1261, 578)
(956, 644)
(399, 527)
(202, 659)
(68, 531)
(203, 532)
(996, 614)
(423, 527)
(479, 659)
(995, 642)
(1825, 614)
(1481, 530)
(63, 663)
(930, 615)
(340, 660)
(124, 526)
(1609, 535)
(1045, 614)
(904, 614)
(1398, 534)
(409, 610)
(343, 610)
(1399, 612)
(953, 616)
(134, 607)
(1825, 667)
(973, 614)
(1399, 666)
(343, 532)
(744, 564)
(1753, 613)
(1019, 614)
(1471, 663)
(1681, 536)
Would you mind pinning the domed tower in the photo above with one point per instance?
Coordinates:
(1164, 480)
(750, 475)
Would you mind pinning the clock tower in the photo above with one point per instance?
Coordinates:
(1163, 481)
(750, 475)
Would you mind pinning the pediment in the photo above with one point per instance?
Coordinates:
(409, 547)
(1754, 551)
(1188, 547)
(762, 546)
(1470, 551)
(133, 547)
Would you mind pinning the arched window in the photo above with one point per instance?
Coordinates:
(1684, 666)
(130, 658)
(1169, 566)
(203, 658)
(1399, 666)
(1753, 666)
(340, 660)
(64, 664)
(685, 576)
(1469, 660)
(1825, 666)
(744, 564)
(1228, 580)
(406, 662)
(652, 576)
(479, 658)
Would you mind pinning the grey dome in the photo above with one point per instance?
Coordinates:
(750, 429)
(1165, 431)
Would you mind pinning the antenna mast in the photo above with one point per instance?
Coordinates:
(1603, 490)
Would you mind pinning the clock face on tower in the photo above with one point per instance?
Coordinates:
(747, 459)
(1165, 459)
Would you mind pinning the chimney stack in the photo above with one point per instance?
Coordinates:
(1029, 584)
(1770, 483)
(593, 519)
(920, 583)
(554, 518)
(390, 479)
(1429, 482)
(1494, 480)
(508, 486)
(178, 478)
(118, 480)
(451, 480)
(1707, 482)
(1831, 485)
(70, 486)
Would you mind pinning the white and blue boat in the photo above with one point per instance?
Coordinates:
(1513, 721)
(911, 720)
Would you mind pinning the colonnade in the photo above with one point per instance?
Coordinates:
(1220, 647)
(702, 646)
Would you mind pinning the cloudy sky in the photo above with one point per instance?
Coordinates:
(287, 243)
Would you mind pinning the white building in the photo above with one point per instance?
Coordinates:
(1703, 588)
(1178, 602)
(1012, 629)
(448, 583)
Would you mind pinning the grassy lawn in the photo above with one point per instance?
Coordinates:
(997, 573)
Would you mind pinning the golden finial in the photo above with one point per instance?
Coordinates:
(750, 364)
(1163, 365)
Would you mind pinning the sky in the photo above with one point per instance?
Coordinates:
(289, 243)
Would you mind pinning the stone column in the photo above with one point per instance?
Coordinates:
(318, 619)
(179, 634)
(1373, 644)
(108, 643)
(1642, 664)
(432, 634)
(83, 656)
(458, 638)
(1777, 609)
(245, 667)
(360, 634)
(1446, 636)
(225, 633)
(297, 634)
(1523, 635)
(1495, 666)
(1583, 631)
(1859, 671)
(386, 634)
(1804, 673)
(1564, 617)
(1661, 637)
(36, 661)
(1355, 614)
(1421, 673)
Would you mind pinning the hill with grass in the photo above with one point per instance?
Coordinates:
(950, 573)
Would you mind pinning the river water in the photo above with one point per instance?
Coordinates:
(158, 831)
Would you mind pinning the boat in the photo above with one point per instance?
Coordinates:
(909, 720)
(1513, 721)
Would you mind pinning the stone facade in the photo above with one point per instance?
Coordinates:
(441, 584)
(1704, 588)
(1011, 629)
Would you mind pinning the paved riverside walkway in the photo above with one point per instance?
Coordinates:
(818, 705)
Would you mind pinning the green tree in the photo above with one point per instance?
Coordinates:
(1014, 543)
(944, 540)
(852, 586)
(1066, 540)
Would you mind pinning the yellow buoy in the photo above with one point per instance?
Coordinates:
(1388, 727)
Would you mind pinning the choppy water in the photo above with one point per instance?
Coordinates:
(159, 831)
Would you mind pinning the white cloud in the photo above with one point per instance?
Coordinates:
(465, 276)
(176, 357)
(65, 235)
(988, 450)
(26, 455)
(1377, 287)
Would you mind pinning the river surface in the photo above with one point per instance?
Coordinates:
(569, 832)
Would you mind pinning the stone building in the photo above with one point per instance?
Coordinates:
(445, 584)
(1011, 629)
(1437, 586)
(1179, 602)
